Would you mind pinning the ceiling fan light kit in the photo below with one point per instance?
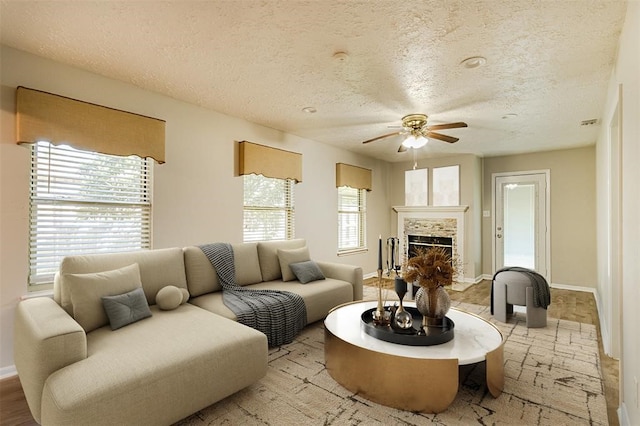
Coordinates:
(415, 141)
(418, 132)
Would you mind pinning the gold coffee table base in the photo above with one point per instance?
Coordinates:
(412, 384)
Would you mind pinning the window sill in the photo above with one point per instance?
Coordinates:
(353, 251)
(38, 293)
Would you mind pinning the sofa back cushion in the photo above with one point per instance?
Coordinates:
(158, 268)
(245, 256)
(268, 255)
(202, 277)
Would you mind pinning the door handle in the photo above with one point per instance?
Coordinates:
(499, 235)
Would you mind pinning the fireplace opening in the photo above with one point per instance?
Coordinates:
(416, 242)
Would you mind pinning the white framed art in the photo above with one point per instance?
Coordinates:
(446, 186)
(416, 187)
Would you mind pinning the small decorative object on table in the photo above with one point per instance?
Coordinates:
(380, 315)
(402, 318)
(431, 269)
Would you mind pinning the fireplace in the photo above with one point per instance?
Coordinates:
(425, 226)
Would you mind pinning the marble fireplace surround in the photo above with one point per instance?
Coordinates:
(433, 221)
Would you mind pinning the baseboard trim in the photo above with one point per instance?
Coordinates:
(371, 275)
(604, 327)
(574, 288)
(623, 416)
(6, 372)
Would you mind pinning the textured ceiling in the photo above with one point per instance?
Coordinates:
(549, 62)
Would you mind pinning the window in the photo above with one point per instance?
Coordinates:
(351, 218)
(268, 208)
(83, 202)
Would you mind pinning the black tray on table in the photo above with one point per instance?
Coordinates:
(435, 335)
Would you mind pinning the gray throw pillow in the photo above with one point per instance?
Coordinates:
(127, 308)
(307, 271)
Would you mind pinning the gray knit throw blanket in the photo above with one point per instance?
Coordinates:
(278, 314)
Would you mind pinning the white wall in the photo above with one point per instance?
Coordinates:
(197, 198)
(627, 73)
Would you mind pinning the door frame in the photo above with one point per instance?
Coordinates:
(547, 194)
(612, 341)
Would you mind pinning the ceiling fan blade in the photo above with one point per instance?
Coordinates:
(402, 148)
(441, 137)
(382, 137)
(447, 126)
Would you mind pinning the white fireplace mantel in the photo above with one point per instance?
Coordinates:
(434, 212)
(432, 209)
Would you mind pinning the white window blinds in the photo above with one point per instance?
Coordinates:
(352, 213)
(83, 202)
(268, 208)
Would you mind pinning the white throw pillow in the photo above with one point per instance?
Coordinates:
(86, 292)
(287, 257)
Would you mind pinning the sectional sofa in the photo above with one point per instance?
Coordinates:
(82, 361)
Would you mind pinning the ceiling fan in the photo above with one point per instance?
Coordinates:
(417, 131)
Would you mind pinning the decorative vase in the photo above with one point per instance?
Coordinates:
(433, 304)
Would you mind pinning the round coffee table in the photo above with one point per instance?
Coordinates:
(413, 378)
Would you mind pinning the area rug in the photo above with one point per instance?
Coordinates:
(552, 377)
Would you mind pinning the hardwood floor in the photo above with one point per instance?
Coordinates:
(565, 304)
(13, 407)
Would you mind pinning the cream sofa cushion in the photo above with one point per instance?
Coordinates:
(247, 265)
(287, 257)
(86, 291)
(268, 254)
(201, 276)
(319, 298)
(156, 371)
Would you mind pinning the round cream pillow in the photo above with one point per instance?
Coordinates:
(169, 297)
(185, 295)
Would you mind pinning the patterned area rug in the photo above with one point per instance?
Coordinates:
(552, 377)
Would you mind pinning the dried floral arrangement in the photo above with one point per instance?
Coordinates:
(430, 268)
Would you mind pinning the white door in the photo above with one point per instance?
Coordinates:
(521, 236)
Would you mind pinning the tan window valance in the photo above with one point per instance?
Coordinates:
(43, 116)
(269, 162)
(353, 176)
